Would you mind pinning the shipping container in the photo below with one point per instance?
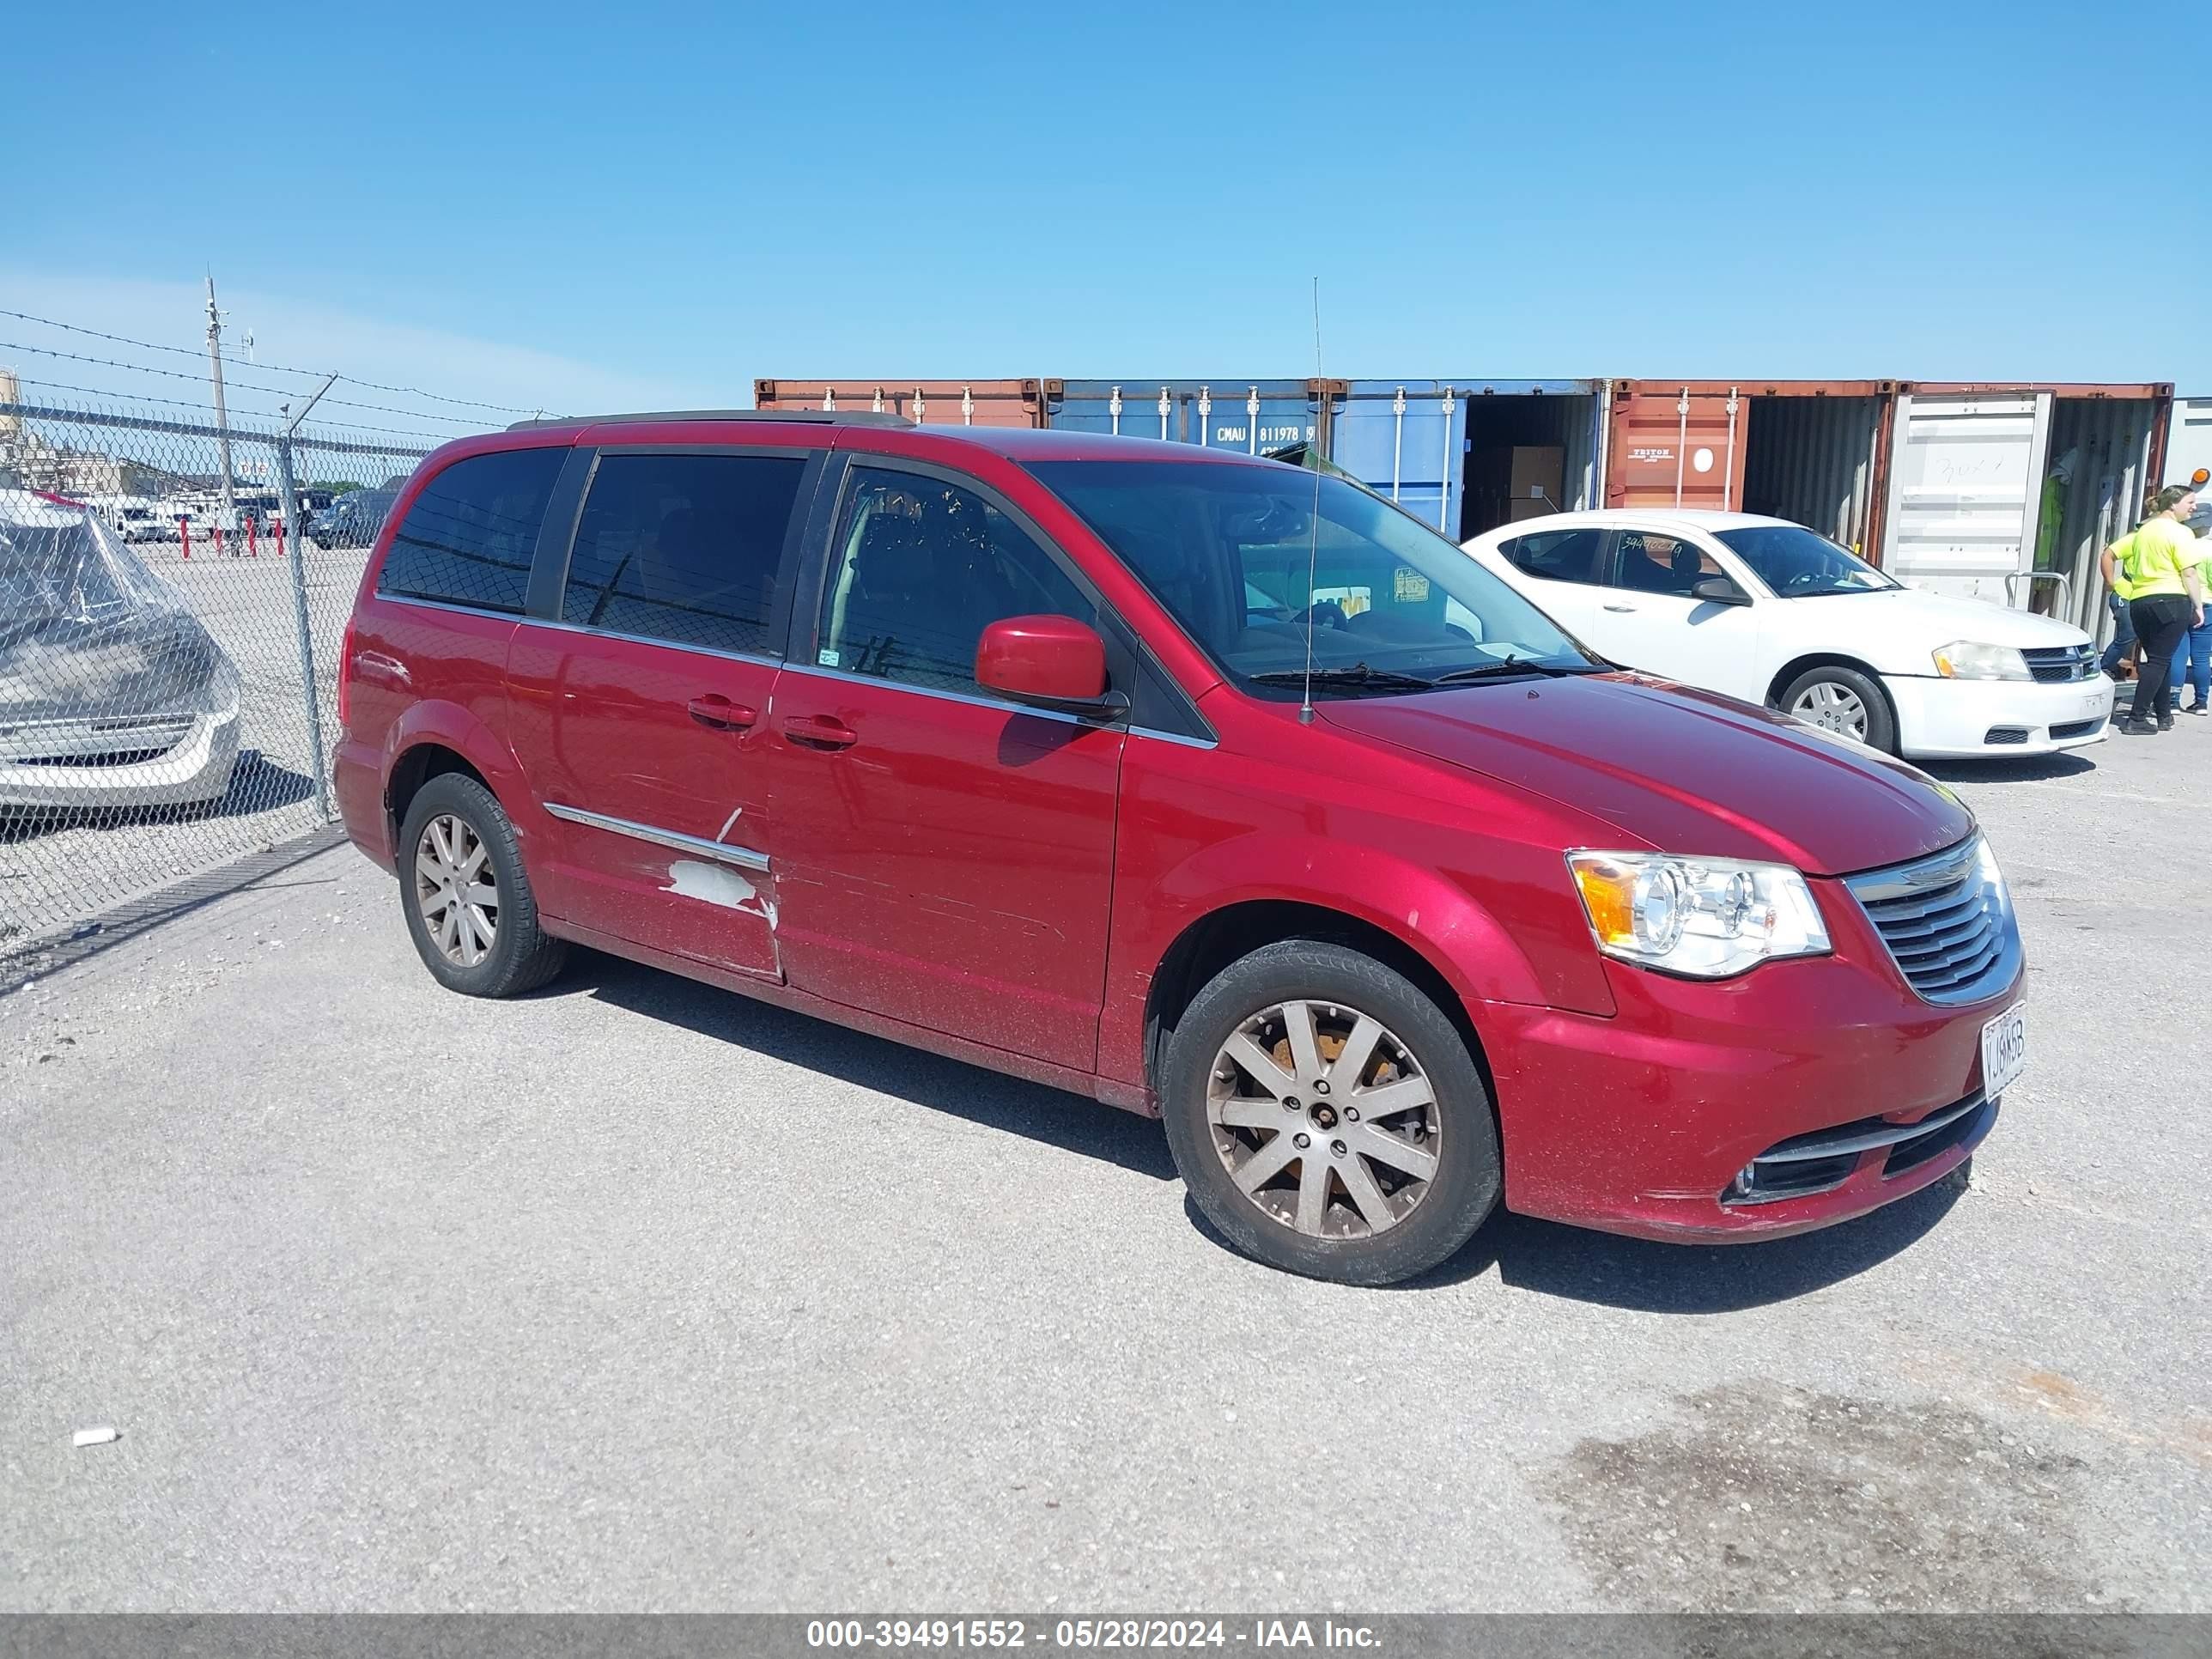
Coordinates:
(1465, 455)
(1253, 416)
(2188, 443)
(1816, 452)
(2008, 492)
(931, 403)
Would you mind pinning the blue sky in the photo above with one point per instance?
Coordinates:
(642, 204)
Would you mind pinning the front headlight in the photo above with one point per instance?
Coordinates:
(1962, 659)
(1702, 918)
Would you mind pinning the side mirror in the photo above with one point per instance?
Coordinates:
(1719, 590)
(1054, 662)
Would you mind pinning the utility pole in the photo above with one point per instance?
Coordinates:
(221, 421)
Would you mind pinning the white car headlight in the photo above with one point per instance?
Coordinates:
(1962, 659)
(1701, 918)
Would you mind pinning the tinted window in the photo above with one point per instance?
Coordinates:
(683, 548)
(921, 568)
(1647, 562)
(468, 538)
(1257, 561)
(1557, 556)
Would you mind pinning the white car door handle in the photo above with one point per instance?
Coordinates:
(1621, 607)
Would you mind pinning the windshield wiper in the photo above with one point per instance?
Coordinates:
(1484, 671)
(1359, 674)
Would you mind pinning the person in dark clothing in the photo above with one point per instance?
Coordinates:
(2156, 566)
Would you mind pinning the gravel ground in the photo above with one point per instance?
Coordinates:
(635, 1294)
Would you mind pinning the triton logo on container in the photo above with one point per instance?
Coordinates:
(1655, 452)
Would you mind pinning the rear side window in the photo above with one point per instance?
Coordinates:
(468, 539)
(687, 549)
(1556, 556)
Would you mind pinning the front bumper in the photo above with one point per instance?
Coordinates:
(197, 767)
(1939, 719)
(1641, 1122)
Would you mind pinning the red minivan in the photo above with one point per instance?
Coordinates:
(1205, 786)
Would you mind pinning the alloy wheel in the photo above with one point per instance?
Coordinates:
(456, 889)
(1833, 708)
(1324, 1120)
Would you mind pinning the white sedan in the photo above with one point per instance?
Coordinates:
(1767, 610)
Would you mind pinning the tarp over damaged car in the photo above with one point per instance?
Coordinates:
(112, 693)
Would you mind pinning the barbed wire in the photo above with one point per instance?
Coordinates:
(243, 385)
(276, 368)
(243, 431)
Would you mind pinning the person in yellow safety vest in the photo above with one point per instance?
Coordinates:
(2053, 516)
(2155, 565)
(2192, 658)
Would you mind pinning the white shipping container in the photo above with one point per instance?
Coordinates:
(1974, 467)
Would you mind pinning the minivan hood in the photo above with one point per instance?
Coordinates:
(1678, 770)
(1933, 619)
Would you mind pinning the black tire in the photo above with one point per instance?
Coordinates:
(1468, 1174)
(1880, 719)
(521, 956)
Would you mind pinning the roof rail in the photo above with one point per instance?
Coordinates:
(788, 416)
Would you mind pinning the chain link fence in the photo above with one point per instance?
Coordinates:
(172, 599)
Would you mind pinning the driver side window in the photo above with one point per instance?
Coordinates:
(1646, 561)
(919, 568)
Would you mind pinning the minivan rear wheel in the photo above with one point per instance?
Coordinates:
(1327, 1116)
(468, 902)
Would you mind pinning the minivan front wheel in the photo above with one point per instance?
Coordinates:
(468, 902)
(1327, 1117)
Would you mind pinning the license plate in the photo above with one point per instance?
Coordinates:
(2005, 1050)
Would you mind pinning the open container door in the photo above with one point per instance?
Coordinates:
(1815, 452)
(1964, 486)
(2008, 492)
(1468, 455)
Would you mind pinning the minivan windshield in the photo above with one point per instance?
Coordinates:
(1237, 556)
(1797, 564)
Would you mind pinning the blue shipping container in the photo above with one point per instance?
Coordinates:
(1250, 416)
(1410, 440)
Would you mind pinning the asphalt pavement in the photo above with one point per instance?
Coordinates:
(636, 1294)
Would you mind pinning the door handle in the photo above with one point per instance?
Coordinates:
(721, 714)
(1628, 608)
(819, 732)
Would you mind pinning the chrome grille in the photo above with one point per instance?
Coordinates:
(1947, 921)
(93, 742)
(2059, 663)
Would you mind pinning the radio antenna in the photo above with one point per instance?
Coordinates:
(1313, 524)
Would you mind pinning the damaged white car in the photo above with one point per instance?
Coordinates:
(111, 695)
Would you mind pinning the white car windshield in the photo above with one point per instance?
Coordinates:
(1237, 556)
(1797, 564)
